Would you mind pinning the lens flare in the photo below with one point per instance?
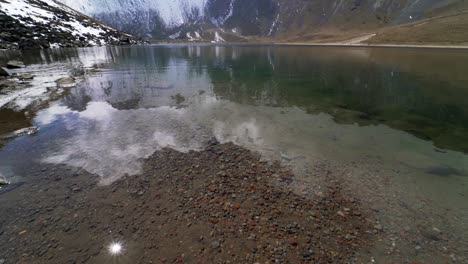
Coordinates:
(115, 249)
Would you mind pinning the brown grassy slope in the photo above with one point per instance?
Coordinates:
(444, 30)
(445, 24)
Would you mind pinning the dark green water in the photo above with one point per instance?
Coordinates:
(392, 122)
(423, 92)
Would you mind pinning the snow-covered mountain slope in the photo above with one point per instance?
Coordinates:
(266, 18)
(31, 24)
(171, 12)
(169, 18)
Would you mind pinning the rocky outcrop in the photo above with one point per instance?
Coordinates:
(15, 64)
(42, 24)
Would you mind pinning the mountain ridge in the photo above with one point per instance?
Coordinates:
(268, 19)
(220, 21)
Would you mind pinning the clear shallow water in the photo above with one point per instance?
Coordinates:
(391, 123)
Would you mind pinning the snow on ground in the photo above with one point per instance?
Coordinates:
(175, 35)
(173, 13)
(45, 15)
(194, 37)
(218, 38)
(17, 8)
(219, 21)
(274, 24)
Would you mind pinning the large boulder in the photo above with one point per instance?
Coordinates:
(3, 182)
(26, 43)
(15, 64)
(66, 82)
(25, 76)
(3, 73)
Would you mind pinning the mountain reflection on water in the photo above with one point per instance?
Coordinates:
(392, 122)
(421, 92)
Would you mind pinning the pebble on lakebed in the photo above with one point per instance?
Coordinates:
(181, 208)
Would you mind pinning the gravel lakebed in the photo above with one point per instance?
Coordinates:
(219, 205)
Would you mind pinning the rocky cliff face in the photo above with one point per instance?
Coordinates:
(186, 19)
(36, 24)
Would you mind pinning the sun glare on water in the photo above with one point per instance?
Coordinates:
(115, 249)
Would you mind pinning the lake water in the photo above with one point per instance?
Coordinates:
(391, 123)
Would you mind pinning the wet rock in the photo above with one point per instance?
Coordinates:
(308, 254)
(293, 242)
(4, 73)
(440, 150)
(433, 234)
(22, 132)
(66, 82)
(15, 64)
(3, 182)
(215, 245)
(26, 131)
(25, 76)
(442, 171)
(77, 71)
(52, 89)
(378, 227)
(125, 40)
(285, 157)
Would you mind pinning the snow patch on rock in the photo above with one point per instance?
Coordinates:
(218, 38)
(45, 23)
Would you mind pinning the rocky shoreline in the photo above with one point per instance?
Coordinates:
(219, 205)
(18, 83)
